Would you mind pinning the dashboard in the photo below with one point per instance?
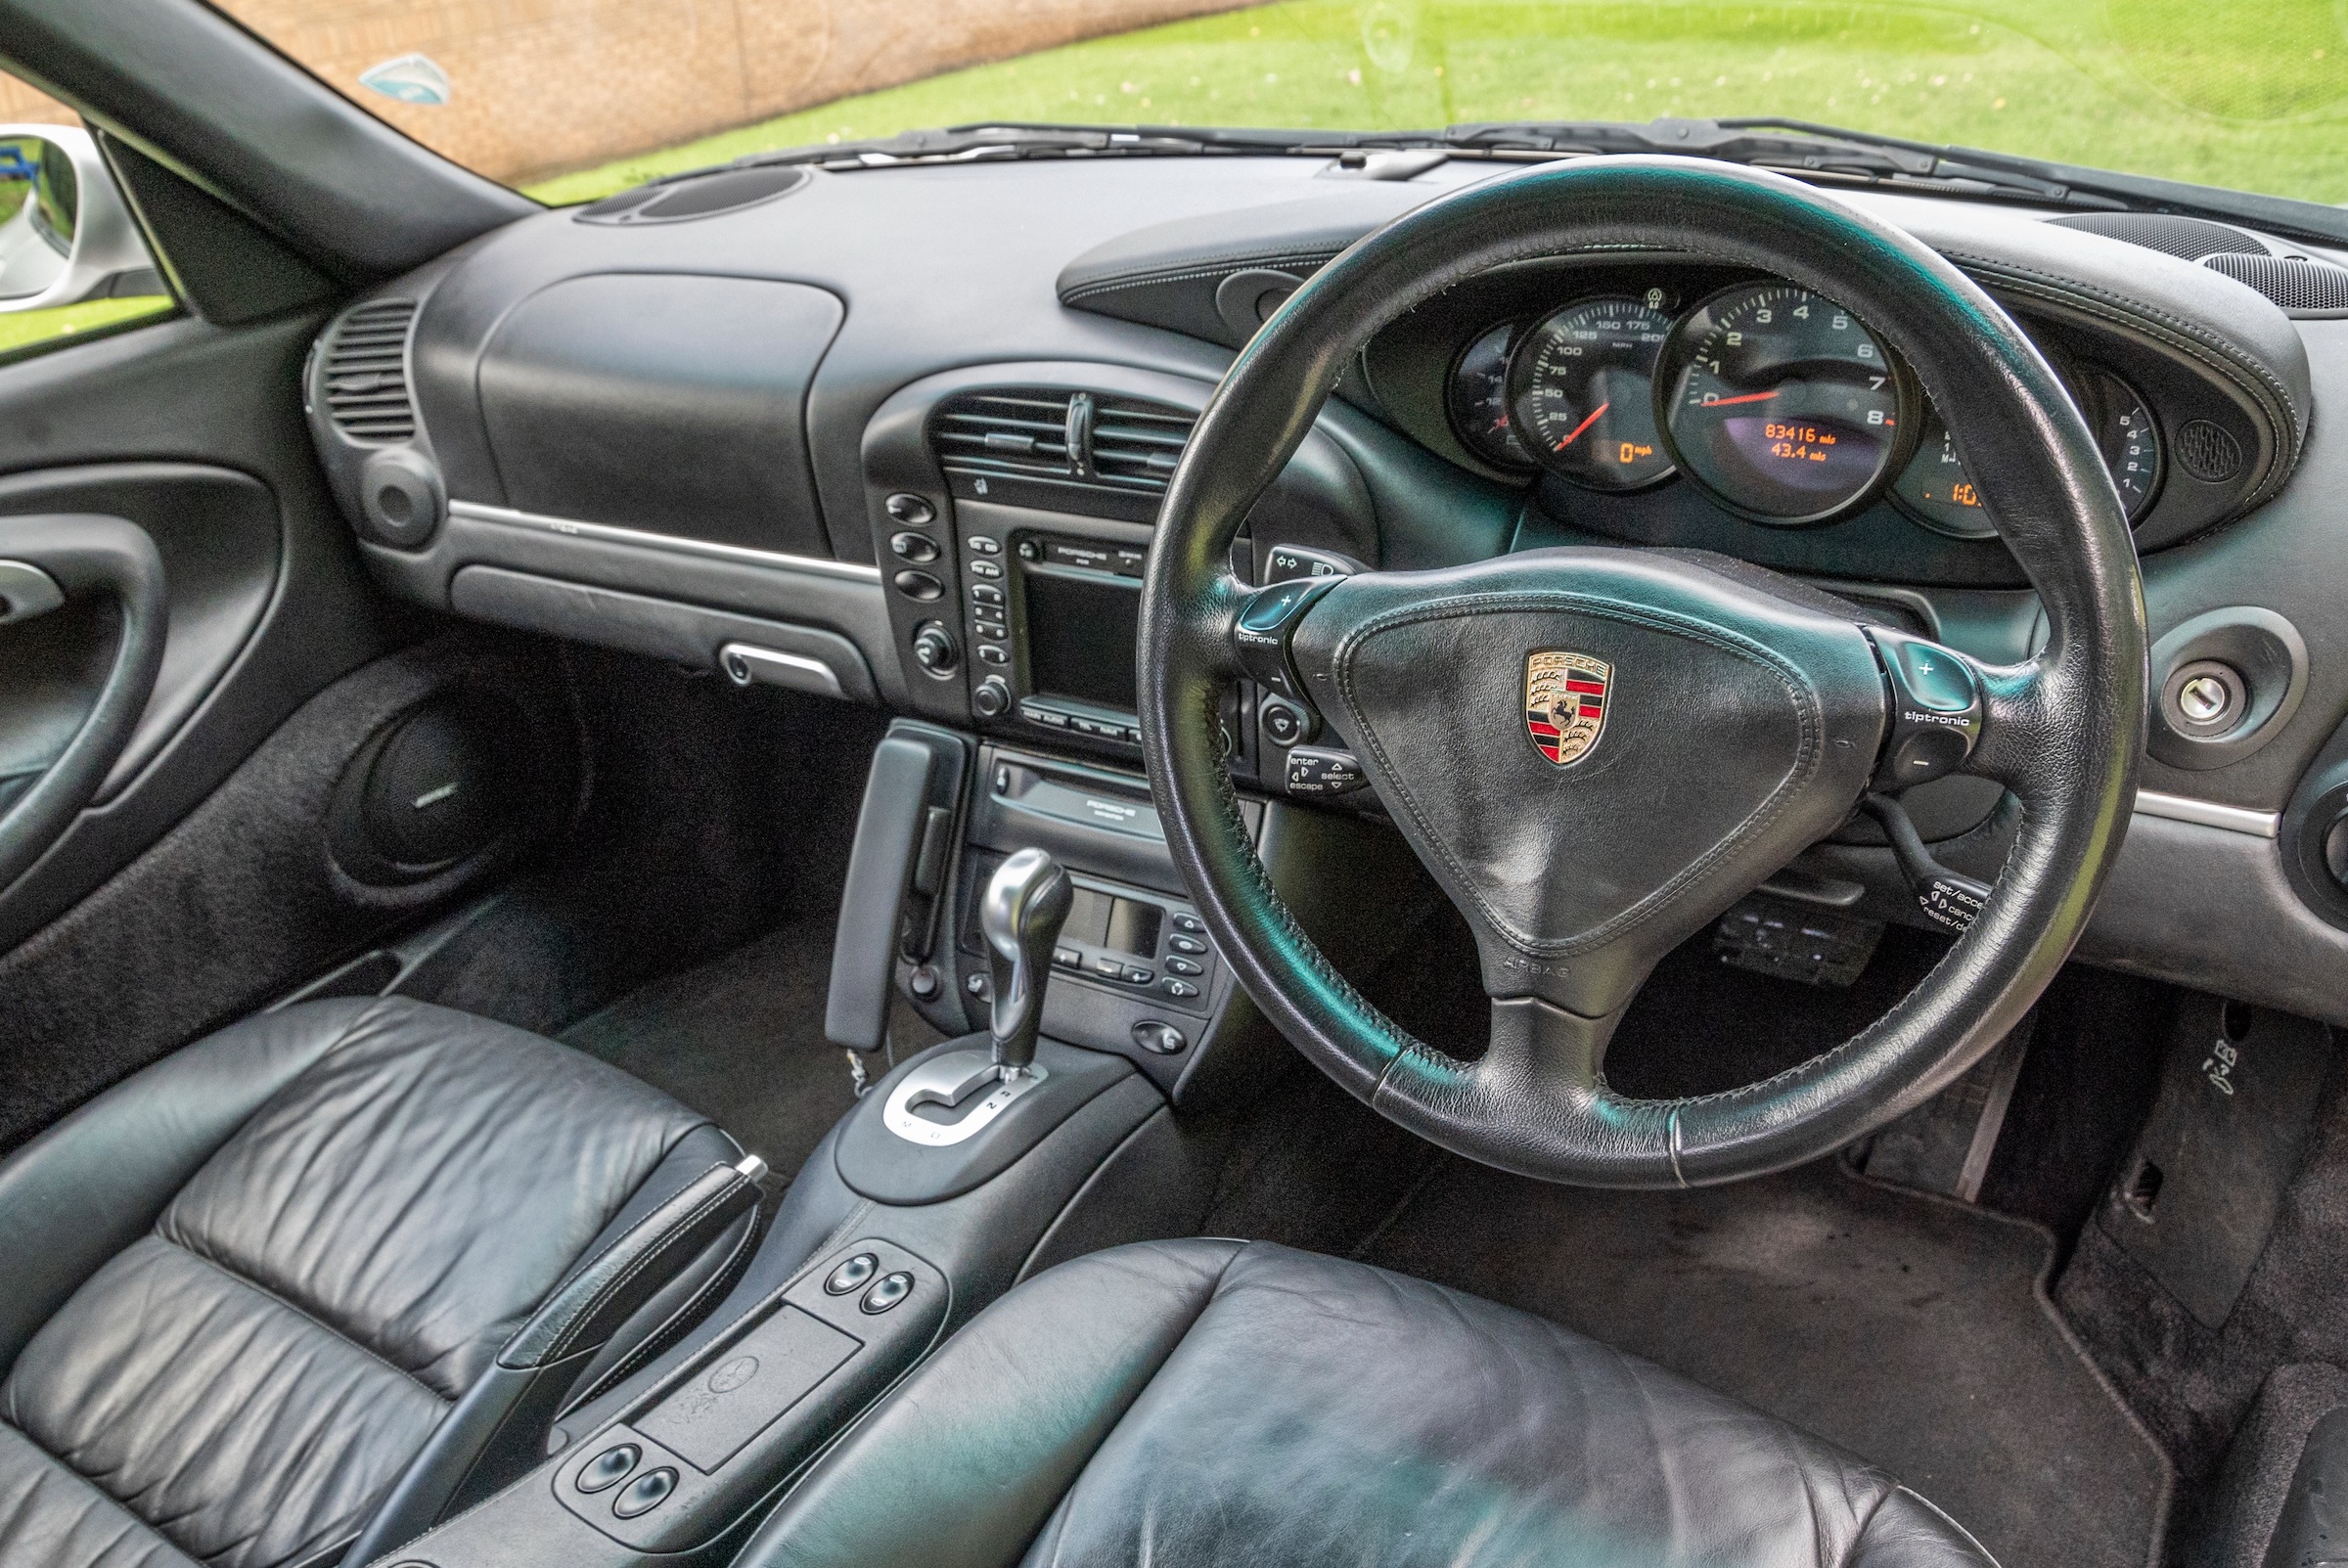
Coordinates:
(900, 436)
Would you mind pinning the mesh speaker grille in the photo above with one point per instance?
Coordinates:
(2190, 239)
(2300, 286)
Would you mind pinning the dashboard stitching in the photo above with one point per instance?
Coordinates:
(1806, 762)
(1233, 264)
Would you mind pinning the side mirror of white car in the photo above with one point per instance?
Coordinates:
(65, 234)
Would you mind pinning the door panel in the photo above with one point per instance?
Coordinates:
(194, 434)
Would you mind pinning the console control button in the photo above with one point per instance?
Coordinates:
(987, 612)
(984, 568)
(1178, 989)
(1107, 969)
(1049, 717)
(1285, 723)
(989, 629)
(892, 1289)
(855, 1272)
(609, 1467)
(985, 545)
(985, 593)
(909, 510)
(1159, 1038)
(1066, 957)
(918, 548)
(992, 698)
(919, 585)
(994, 652)
(1178, 965)
(1187, 944)
(1190, 924)
(1324, 771)
(1139, 976)
(646, 1492)
(935, 648)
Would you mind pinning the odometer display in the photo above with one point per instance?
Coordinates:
(1583, 388)
(1780, 403)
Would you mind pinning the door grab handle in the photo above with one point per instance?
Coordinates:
(26, 591)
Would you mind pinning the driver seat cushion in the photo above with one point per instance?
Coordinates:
(1219, 1403)
(257, 1275)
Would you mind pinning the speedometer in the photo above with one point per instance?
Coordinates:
(1583, 387)
(1780, 403)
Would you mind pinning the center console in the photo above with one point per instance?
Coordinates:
(1011, 881)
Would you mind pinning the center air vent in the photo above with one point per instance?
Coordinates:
(367, 373)
(1134, 444)
(1076, 451)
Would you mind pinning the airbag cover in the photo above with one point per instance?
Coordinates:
(1697, 731)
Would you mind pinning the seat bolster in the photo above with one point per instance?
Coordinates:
(93, 1183)
(1008, 1413)
(1908, 1531)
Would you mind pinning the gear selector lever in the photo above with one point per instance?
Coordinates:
(954, 1096)
(1026, 904)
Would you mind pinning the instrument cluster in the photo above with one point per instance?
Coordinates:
(1776, 403)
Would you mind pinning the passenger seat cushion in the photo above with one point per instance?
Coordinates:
(250, 1377)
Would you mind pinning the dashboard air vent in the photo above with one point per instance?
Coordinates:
(1135, 445)
(1011, 431)
(367, 373)
(2301, 287)
(2187, 238)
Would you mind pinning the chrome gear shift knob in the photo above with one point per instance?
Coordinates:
(1026, 904)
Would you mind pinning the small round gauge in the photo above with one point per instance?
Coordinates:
(1936, 489)
(1780, 403)
(1477, 400)
(2128, 437)
(1583, 388)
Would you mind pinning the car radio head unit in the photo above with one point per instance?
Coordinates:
(1054, 614)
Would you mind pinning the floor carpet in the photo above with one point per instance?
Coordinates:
(740, 1040)
(1910, 1331)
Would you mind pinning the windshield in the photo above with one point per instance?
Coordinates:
(571, 99)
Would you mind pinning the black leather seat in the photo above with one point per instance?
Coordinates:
(256, 1294)
(1197, 1404)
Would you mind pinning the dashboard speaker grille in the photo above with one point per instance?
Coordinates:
(2299, 286)
(2189, 238)
(367, 373)
(1135, 445)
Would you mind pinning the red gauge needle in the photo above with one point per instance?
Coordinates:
(1749, 397)
(1585, 425)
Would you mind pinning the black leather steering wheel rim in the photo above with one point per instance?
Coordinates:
(2064, 730)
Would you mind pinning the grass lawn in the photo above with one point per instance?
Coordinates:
(2246, 93)
(25, 328)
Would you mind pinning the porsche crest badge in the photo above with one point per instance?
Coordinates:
(1564, 703)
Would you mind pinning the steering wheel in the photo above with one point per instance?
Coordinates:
(1745, 715)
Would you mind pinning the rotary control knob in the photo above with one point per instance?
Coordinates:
(992, 700)
(935, 648)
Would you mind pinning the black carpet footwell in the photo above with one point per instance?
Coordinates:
(1912, 1330)
(740, 1040)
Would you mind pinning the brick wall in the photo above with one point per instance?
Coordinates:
(542, 86)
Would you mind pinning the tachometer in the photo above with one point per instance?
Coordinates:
(1780, 403)
(1583, 388)
(1477, 400)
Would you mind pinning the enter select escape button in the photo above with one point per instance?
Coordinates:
(1324, 771)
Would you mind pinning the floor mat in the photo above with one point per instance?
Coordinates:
(740, 1040)
(1908, 1329)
